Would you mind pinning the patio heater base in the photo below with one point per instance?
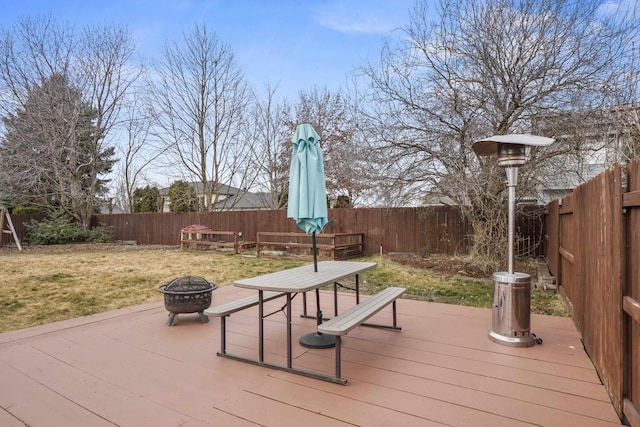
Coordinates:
(529, 341)
(511, 310)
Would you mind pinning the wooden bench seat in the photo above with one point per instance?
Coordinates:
(357, 315)
(233, 306)
(225, 310)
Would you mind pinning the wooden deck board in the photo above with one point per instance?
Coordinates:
(129, 368)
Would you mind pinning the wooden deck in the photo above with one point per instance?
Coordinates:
(128, 368)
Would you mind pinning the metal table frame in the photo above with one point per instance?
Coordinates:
(291, 282)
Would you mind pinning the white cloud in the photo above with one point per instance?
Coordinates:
(620, 7)
(362, 16)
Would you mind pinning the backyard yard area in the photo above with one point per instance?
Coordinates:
(126, 367)
(43, 284)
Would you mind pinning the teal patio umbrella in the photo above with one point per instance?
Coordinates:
(307, 204)
(307, 191)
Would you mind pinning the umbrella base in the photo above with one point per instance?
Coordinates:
(316, 340)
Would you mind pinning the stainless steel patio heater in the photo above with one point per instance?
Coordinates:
(511, 315)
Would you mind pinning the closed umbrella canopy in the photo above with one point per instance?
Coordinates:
(308, 206)
(307, 191)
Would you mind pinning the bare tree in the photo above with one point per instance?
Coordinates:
(31, 51)
(623, 94)
(96, 64)
(106, 74)
(474, 68)
(137, 153)
(331, 116)
(46, 153)
(270, 138)
(200, 99)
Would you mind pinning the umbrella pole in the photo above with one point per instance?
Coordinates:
(318, 310)
(315, 269)
(317, 339)
(315, 253)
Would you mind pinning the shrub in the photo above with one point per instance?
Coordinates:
(21, 209)
(61, 230)
(101, 234)
(146, 199)
(182, 197)
(54, 231)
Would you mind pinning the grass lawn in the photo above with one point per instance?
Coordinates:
(50, 283)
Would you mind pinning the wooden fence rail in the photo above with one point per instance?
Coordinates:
(214, 240)
(328, 246)
(593, 251)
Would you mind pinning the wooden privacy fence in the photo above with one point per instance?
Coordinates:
(415, 230)
(419, 230)
(594, 252)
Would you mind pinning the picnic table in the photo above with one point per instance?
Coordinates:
(289, 283)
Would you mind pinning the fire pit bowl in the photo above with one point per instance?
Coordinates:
(187, 294)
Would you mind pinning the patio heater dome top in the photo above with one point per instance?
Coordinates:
(488, 146)
(511, 149)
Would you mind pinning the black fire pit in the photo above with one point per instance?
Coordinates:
(187, 294)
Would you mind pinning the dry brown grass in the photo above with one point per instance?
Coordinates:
(49, 283)
(46, 284)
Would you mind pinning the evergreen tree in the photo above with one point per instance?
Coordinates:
(50, 156)
(146, 199)
(182, 197)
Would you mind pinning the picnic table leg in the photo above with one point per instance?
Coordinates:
(338, 356)
(223, 334)
(357, 289)
(395, 315)
(304, 302)
(261, 325)
(289, 346)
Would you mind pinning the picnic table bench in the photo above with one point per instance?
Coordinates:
(357, 315)
(225, 310)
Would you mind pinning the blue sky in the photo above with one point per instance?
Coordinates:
(297, 44)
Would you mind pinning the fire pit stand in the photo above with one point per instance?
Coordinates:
(187, 294)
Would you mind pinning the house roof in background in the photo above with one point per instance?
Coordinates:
(226, 190)
(245, 201)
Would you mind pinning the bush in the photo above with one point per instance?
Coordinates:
(21, 209)
(101, 234)
(146, 199)
(60, 230)
(182, 197)
(54, 231)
